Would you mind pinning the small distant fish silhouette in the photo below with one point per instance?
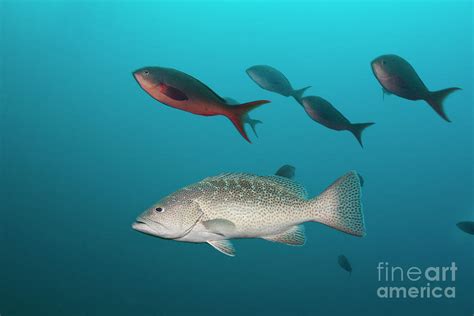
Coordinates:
(181, 91)
(286, 171)
(272, 79)
(246, 117)
(344, 263)
(397, 76)
(467, 227)
(240, 205)
(324, 113)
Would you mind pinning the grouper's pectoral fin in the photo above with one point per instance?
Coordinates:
(293, 236)
(219, 226)
(223, 246)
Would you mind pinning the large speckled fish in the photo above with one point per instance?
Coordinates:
(397, 76)
(184, 92)
(240, 205)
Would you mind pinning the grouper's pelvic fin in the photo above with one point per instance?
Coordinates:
(237, 115)
(223, 246)
(340, 206)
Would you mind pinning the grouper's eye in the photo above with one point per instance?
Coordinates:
(383, 62)
(159, 209)
(146, 72)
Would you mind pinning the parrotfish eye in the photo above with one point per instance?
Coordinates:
(383, 62)
(146, 72)
(159, 209)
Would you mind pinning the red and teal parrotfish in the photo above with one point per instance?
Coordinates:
(398, 77)
(184, 92)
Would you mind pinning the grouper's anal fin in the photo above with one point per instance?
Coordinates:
(294, 236)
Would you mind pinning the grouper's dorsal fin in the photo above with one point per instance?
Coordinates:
(290, 186)
(287, 171)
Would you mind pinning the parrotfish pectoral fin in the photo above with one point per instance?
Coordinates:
(357, 130)
(237, 115)
(436, 99)
(340, 206)
(172, 92)
(293, 236)
(223, 246)
(298, 94)
(219, 226)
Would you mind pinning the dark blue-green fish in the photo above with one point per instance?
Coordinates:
(467, 227)
(326, 114)
(344, 263)
(272, 79)
(398, 77)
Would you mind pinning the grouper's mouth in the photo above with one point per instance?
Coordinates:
(143, 227)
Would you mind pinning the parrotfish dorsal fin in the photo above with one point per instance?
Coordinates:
(294, 236)
(172, 92)
(223, 246)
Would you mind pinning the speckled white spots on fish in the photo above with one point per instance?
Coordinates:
(240, 205)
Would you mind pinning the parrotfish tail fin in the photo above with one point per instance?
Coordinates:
(238, 113)
(340, 206)
(253, 123)
(357, 130)
(436, 99)
(298, 94)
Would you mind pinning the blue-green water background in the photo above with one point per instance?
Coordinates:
(85, 150)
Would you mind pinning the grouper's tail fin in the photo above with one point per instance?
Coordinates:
(340, 206)
(298, 94)
(436, 99)
(237, 115)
